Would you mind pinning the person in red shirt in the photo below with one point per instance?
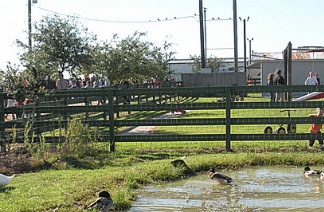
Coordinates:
(316, 128)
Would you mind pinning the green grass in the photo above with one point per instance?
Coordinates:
(71, 190)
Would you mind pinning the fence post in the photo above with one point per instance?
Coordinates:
(86, 103)
(228, 118)
(2, 122)
(38, 116)
(128, 102)
(111, 119)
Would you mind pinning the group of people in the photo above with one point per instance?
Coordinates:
(276, 80)
(88, 82)
(312, 79)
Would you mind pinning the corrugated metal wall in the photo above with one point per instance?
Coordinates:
(214, 79)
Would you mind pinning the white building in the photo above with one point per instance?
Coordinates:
(304, 60)
(180, 66)
(302, 64)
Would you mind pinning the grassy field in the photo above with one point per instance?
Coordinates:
(131, 167)
(73, 178)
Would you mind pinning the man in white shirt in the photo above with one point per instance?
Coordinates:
(311, 79)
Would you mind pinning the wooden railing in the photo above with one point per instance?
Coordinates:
(118, 106)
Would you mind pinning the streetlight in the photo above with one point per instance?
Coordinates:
(202, 35)
(235, 36)
(250, 49)
(29, 23)
(244, 29)
(205, 31)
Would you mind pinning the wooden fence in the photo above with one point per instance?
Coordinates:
(50, 115)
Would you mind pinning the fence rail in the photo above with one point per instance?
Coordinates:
(103, 108)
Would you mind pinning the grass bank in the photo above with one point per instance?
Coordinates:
(131, 167)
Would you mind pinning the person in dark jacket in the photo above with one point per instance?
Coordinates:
(270, 82)
(318, 79)
(279, 80)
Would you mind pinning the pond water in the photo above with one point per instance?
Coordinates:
(254, 189)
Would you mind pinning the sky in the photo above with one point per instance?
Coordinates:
(272, 23)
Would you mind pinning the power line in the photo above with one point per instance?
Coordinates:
(121, 22)
(130, 22)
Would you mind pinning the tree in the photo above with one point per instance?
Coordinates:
(58, 45)
(132, 58)
(213, 63)
(11, 76)
(14, 80)
(64, 45)
(196, 65)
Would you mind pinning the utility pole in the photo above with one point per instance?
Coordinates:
(29, 25)
(202, 36)
(244, 40)
(235, 36)
(250, 50)
(205, 31)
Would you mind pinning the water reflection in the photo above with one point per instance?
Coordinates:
(254, 189)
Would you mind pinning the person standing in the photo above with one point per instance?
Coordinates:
(270, 82)
(316, 129)
(318, 79)
(279, 80)
(62, 83)
(10, 103)
(311, 79)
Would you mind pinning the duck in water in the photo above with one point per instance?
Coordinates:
(219, 177)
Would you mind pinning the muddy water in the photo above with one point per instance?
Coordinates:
(254, 189)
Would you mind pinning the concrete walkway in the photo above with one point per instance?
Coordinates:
(143, 130)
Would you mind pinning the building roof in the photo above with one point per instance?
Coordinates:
(190, 61)
(310, 55)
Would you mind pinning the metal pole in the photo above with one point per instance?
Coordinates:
(202, 37)
(250, 50)
(29, 25)
(244, 28)
(205, 31)
(235, 36)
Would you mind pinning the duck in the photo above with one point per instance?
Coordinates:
(5, 180)
(219, 177)
(103, 203)
(311, 173)
(322, 176)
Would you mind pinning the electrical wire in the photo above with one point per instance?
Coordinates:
(130, 22)
(114, 21)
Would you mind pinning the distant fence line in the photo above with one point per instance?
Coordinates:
(83, 103)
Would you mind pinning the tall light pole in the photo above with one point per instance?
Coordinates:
(29, 23)
(250, 50)
(244, 39)
(205, 31)
(202, 35)
(235, 36)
